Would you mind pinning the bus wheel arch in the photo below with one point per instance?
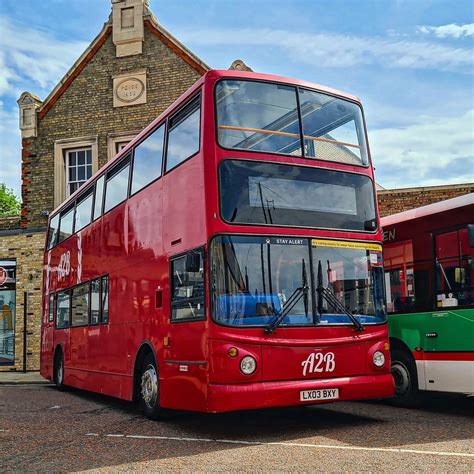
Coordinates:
(404, 373)
(58, 367)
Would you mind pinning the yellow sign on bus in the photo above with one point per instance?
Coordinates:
(346, 244)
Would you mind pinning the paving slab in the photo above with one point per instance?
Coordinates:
(14, 378)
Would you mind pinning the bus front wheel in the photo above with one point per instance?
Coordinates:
(59, 370)
(149, 391)
(405, 378)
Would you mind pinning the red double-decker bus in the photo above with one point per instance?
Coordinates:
(228, 258)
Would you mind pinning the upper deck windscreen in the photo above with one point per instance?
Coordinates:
(275, 118)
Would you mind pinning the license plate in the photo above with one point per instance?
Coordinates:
(315, 395)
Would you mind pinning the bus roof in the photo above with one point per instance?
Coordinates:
(212, 74)
(430, 209)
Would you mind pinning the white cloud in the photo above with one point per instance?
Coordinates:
(338, 50)
(435, 150)
(10, 149)
(33, 55)
(452, 30)
(29, 59)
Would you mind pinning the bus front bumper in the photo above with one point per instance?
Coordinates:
(243, 396)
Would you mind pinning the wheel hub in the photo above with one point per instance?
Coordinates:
(149, 386)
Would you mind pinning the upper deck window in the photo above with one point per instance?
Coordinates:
(53, 231)
(116, 189)
(183, 134)
(333, 129)
(84, 211)
(147, 160)
(264, 117)
(262, 193)
(66, 224)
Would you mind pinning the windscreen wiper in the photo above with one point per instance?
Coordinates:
(300, 292)
(330, 297)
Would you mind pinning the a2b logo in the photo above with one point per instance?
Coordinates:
(64, 266)
(319, 362)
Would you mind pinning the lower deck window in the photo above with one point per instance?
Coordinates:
(63, 309)
(187, 292)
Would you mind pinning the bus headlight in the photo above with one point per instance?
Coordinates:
(248, 365)
(378, 359)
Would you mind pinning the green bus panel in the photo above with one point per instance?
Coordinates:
(447, 330)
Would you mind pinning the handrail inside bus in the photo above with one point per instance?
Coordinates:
(286, 134)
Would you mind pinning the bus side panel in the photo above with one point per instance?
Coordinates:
(184, 360)
(445, 362)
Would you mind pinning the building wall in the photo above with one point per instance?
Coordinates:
(393, 201)
(27, 249)
(86, 109)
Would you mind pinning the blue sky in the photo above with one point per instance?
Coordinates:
(411, 63)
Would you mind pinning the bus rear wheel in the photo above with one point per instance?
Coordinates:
(58, 373)
(149, 391)
(405, 378)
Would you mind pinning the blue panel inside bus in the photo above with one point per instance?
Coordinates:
(246, 309)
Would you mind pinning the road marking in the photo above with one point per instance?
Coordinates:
(289, 444)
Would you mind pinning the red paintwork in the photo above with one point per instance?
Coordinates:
(458, 356)
(133, 244)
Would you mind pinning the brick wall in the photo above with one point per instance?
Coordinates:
(86, 109)
(27, 249)
(399, 200)
(9, 223)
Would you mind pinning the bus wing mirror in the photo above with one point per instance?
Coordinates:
(470, 234)
(193, 262)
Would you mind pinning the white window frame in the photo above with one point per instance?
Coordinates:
(60, 149)
(114, 139)
(67, 157)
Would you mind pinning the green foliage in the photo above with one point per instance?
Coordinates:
(9, 203)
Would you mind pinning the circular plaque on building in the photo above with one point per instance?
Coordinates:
(3, 276)
(130, 89)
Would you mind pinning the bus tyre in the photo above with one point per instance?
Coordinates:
(148, 386)
(58, 373)
(405, 378)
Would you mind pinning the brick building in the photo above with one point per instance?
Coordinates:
(392, 201)
(127, 76)
(132, 71)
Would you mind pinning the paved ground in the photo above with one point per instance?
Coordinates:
(42, 429)
(21, 378)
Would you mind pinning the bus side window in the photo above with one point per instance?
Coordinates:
(51, 308)
(99, 194)
(95, 301)
(183, 134)
(80, 305)
(63, 309)
(66, 224)
(104, 306)
(53, 231)
(147, 160)
(187, 286)
(83, 211)
(116, 186)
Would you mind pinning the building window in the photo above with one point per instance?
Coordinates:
(78, 168)
(75, 160)
(120, 146)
